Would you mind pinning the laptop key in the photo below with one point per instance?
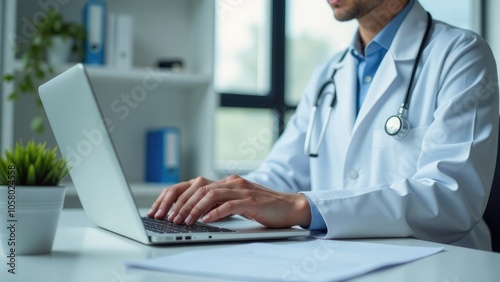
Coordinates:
(165, 226)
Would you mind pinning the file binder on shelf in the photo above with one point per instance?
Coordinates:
(119, 40)
(94, 18)
(163, 155)
(124, 40)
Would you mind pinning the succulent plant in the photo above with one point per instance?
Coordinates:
(32, 165)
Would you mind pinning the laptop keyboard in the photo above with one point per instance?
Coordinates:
(164, 226)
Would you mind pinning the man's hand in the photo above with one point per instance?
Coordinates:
(233, 195)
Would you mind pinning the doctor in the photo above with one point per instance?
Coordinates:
(371, 176)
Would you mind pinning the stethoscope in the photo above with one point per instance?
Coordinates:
(396, 125)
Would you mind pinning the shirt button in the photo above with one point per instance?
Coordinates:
(353, 174)
(368, 79)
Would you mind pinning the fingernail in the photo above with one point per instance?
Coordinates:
(178, 219)
(150, 210)
(158, 213)
(206, 218)
(171, 216)
(188, 220)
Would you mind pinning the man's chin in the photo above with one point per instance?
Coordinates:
(341, 17)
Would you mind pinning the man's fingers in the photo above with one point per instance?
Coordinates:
(204, 200)
(186, 194)
(156, 204)
(170, 195)
(183, 210)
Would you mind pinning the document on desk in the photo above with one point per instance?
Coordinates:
(317, 260)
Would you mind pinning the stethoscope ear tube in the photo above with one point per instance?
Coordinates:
(310, 125)
(307, 144)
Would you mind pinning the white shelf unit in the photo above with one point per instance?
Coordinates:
(163, 29)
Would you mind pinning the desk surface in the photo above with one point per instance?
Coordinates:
(83, 252)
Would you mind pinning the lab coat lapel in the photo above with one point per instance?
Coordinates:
(385, 76)
(346, 93)
(403, 48)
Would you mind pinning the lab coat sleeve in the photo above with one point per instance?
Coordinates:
(286, 169)
(445, 198)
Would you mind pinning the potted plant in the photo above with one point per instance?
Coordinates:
(31, 198)
(51, 44)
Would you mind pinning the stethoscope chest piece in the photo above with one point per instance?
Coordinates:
(397, 126)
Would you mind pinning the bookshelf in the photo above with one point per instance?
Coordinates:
(163, 29)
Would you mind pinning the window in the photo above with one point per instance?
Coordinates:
(246, 124)
(462, 13)
(310, 42)
(242, 47)
(244, 137)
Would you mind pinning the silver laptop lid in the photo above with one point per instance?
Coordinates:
(82, 136)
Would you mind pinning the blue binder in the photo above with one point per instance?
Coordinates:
(163, 155)
(94, 19)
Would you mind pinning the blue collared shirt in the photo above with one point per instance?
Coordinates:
(368, 60)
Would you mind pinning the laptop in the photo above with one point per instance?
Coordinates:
(77, 123)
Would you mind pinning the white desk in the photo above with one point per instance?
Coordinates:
(82, 252)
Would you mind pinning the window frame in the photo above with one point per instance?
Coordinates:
(275, 98)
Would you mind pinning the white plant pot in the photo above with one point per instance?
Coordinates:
(36, 213)
(59, 52)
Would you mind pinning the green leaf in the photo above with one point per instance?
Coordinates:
(3, 172)
(38, 40)
(13, 96)
(31, 177)
(39, 73)
(30, 87)
(39, 103)
(37, 124)
(8, 77)
(49, 178)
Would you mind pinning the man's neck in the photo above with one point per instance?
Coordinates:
(373, 22)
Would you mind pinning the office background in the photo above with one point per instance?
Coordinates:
(245, 65)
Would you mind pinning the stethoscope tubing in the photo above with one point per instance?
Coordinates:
(401, 127)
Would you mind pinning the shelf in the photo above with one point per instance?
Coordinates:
(138, 74)
(186, 99)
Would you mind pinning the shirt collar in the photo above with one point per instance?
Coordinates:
(385, 37)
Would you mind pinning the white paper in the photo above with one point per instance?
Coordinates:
(317, 260)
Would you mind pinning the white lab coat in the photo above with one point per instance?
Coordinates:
(433, 184)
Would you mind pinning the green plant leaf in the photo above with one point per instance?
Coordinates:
(37, 41)
(39, 73)
(31, 177)
(39, 103)
(8, 77)
(33, 52)
(49, 178)
(3, 172)
(13, 96)
(35, 164)
(37, 124)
